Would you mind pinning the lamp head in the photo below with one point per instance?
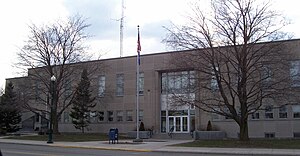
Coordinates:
(53, 78)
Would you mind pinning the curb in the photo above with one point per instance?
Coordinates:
(22, 143)
(103, 148)
(232, 152)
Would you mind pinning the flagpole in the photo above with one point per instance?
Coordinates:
(137, 97)
(137, 86)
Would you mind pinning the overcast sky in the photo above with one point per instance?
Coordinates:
(104, 15)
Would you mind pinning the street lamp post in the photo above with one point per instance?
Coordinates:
(52, 86)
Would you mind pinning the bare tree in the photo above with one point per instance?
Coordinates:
(239, 65)
(53, 49)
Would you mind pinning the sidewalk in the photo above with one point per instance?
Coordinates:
(158, 146)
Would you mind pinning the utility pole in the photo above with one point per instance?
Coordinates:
(122, 29)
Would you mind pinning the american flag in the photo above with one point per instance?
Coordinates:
(139, 45)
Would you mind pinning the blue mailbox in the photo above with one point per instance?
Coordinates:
(113, 135)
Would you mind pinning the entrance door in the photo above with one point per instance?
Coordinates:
(178, 124)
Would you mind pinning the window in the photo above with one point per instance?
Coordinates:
(295, 73)
(214, 82)
(255, 116)
(119, 116)
(282, 112)
(93, 117)
(37, 89)
(141, 83)
(100, 116)
(227, 112)
(141, 115)
(235, 78)
(266, 76)
(269, 112)
(171, 82)
(101, 84)
(269, 135)
(267, 73)
(37, 117)
(192, 80)
(110, 116)
(164, 81)
(177, 82)
(67, 88)
(120, 85)
(129, 114)
(296, 111)
(66, 117)
(216, 116)
(296, 134)
(239, 111)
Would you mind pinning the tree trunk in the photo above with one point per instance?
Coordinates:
(244, 131)
(55, 124)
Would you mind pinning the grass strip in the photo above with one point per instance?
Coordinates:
(67, 137)
(254, 143)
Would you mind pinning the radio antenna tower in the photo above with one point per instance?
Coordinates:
(122, 29)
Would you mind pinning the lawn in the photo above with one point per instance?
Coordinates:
(68, 137)
(254, 143)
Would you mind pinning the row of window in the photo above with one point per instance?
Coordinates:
(119, 85)
(172, 82)
(266, 75)
(101, 86)
(269, 113)
(108, 116)
(177, 82)
(282, 112)
(272, 134)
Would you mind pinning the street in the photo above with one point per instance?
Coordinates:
(36, 150)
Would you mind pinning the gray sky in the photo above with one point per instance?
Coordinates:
(103, 15)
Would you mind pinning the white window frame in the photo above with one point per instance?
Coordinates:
(129, 115)
(141, 115)
(120, 85)
(93, 117)
(66, 117)
(296, 111)
(141, 83)
(120, 115)
(67, 88)
(101, 83)
(214, 82)
(267, 73)
(295, 73)
(179, 82)
(255, 115)
(269, 114)
(282, 112)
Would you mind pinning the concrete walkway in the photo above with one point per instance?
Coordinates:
(158, 146)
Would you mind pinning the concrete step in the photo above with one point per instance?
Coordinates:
(175, 136)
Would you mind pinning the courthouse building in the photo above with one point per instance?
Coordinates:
(115, 89)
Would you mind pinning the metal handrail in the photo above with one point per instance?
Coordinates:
(171, 131)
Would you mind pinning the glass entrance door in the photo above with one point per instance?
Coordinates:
(178, 124)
